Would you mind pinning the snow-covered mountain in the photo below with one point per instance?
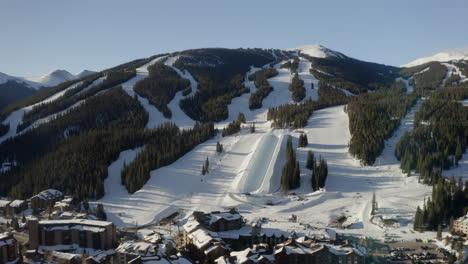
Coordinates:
(30, 84)
(444, 56)
(317, 51)
(52, 78)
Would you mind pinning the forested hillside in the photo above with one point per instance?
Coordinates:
(352, 75)
(373, 117)
(161, 86)
(220, 75)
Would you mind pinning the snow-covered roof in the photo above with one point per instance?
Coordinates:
(17, 203)
(6, 239)
(191, 225)
(137, 248)
(213, 247)
(49, 194)
(463, 219)
(215, 217)
(4, 203)
(202, 237)
(64, 255)
(76, 222)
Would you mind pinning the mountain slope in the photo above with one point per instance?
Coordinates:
(13, 89)
(204, 85)
(445, 56)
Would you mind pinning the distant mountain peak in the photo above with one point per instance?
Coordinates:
(317, 51)
(53, 78)
(84, 73)
(447, 55)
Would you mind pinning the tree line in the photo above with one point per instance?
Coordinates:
(220, 76)
(373, 117)
(113, 78)
(72, 151)
(449, 201)
(263, 87)
(48, 92)
(291, 173)
(167, 144)
(352, 75)
(438, 140)
(297, 115)
(297, 88)
(161, 86)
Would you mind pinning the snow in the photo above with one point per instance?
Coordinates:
(317, 51)
(304, 73)
(450, 55)
(409, 88)
(452, 69)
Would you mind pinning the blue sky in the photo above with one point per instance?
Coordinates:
(40, 36)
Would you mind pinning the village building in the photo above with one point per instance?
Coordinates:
(46, 199)
(4, 207)
(9, 252)
(62, 257)
(295, 251)
(460, 225)
(16, 207)
(81, 232)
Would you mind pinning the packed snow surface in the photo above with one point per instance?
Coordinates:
(455, 54)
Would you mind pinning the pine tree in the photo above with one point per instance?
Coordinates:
(417, 219)
(100, 213)
(374, 204)
(219, 147)
(439, 232)
(14, 223)
(241, 117)
(252, 128)
(310, 160)
(290, 177)
(303, 142)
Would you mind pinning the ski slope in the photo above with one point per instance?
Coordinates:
(252, 163)
(304, 73)
(155, 117)
(16, 117)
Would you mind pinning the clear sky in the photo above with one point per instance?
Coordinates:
(39, 36)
